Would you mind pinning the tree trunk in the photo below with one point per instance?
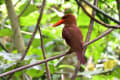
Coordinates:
(17, 37)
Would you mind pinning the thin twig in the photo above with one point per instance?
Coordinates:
(30, 42)
(28, 3)
(90, 26)
(99, 37)
(100, 11)
(100, 22)
(43, 51)
(37, 26)
(59, 61)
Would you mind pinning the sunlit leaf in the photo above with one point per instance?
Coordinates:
(5, 32)
(35, 73)
(31, 8)
(29, 20)
(67, 66)
(109, 64)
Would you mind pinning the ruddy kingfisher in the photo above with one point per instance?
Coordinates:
(72, 35)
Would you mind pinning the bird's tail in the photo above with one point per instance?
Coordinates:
(80, 57)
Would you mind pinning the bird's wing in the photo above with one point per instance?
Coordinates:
(73, 37)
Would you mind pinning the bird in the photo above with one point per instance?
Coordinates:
(72, 35)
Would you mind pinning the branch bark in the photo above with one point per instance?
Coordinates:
(43, 50)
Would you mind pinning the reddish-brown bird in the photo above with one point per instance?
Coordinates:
(72, 35)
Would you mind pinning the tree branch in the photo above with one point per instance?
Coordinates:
(43, 50)
(33, 35)
(100, 11)
(90, 25)
(100, 22)
(99, 37)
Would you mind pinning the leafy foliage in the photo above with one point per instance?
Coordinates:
(105, 52)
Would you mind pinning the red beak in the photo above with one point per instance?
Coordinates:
(58, 23)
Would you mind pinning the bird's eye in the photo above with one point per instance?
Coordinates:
(66, 16)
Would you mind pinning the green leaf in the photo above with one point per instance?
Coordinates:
(36, 43)
(52, 67)
(103, 77)
(17, 75)
(82, 19)
(35, 73)
(1, 2)
(67, 66)
(29, 20)
(31, 8)
(35, 51)
(98, 77)
(116, 72)
(5, 32)
(103, 18)
(6, 67)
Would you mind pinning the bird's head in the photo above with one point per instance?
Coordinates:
(66, 19)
